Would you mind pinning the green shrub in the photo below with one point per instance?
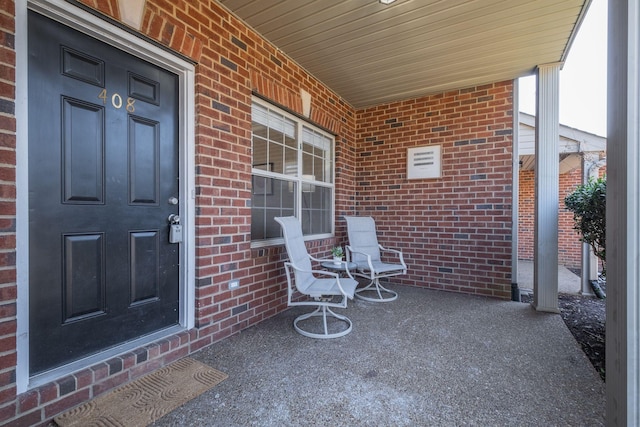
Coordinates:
(588, 204)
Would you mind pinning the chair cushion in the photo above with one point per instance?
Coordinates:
(380, 267)
(321, 287)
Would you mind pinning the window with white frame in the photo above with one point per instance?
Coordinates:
(292, 173)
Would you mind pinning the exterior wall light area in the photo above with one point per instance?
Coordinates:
(387, 1)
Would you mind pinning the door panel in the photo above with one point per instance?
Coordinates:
(83, 277)
(82, 66)
(144, 169)
(103, 163)
(82, 151)
(144, 266)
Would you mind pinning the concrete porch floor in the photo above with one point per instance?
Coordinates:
(430, 358)
(568, 282)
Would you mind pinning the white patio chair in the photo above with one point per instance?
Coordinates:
(320, 290)
(365, 251)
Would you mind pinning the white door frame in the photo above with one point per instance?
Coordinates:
(84, 21)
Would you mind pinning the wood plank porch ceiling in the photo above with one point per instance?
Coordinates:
(369, 53)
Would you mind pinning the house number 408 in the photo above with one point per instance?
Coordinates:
(116, 101)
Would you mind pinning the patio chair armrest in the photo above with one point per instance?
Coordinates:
(312, 271)
(351, 250)
(319, 260)
(325, 273)
(395, 251)
(328, 273)
(288, 264)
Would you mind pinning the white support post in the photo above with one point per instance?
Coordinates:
(545, 257)
(623, 214)
(515, 190)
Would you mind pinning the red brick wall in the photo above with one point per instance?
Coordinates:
(569, 245)
(232, 63)
(526, 208)
(8, 286)
(455, 231)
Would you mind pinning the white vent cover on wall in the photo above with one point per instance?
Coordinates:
(424, 162)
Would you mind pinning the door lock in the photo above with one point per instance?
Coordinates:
(175, 229)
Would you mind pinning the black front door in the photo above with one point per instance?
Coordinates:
(103, 180)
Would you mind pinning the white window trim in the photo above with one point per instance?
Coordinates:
(300, 123)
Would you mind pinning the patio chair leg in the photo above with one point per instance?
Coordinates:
(322, 311)
(324, 319)
(379, 289)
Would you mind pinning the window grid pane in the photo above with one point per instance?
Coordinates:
(274, 199)
(287, 165)
(316, 212)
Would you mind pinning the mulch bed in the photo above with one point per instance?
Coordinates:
(585, 318)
